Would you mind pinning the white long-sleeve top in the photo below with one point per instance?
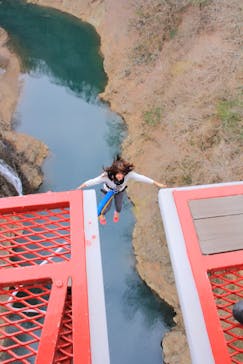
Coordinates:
(108, 184)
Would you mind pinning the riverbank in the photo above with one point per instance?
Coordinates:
(22, 152)
(174, 76)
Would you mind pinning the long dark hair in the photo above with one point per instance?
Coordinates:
(119, 165)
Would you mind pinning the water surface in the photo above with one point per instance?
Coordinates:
(62, 73)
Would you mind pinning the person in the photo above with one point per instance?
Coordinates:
(115, 177)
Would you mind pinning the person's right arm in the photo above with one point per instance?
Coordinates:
(93, 181)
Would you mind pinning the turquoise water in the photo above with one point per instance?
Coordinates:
(62, 73)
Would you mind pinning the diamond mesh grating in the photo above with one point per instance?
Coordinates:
(22, 314)
(64, 350)
(28, 239)
(42, 249)
(35, 237)
(227, 287)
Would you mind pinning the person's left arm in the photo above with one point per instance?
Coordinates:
(160, 185)
(141, 178)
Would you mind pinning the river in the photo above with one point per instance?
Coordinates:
(62, 75)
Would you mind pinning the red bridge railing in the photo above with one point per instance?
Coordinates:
(44, 314)
(218, 277)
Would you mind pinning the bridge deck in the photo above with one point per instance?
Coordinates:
(218, 223)
(204, 233)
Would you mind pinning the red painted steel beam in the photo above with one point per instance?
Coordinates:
(36, 201)
(202, 264)
(52, 323)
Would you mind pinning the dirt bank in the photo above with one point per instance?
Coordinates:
(174, 75)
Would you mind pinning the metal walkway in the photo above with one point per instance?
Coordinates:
(52, 307)
(204, 231)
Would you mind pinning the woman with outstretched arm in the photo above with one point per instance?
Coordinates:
(115, 178)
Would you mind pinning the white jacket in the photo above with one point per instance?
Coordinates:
(110, 185)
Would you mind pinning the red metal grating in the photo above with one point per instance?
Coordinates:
(22, 314)
(64, 350)
(34, 237)
(227, 287)
(42, 249)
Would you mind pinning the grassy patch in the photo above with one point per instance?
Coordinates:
(230, 113)
(173, 33)
(227, 114)
(152, 117)
(156, 21)
(182, 171)
(200, 2)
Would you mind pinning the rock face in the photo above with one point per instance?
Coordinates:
(174, 71)
(22, 152)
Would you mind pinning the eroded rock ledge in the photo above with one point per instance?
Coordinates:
(22, 152)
